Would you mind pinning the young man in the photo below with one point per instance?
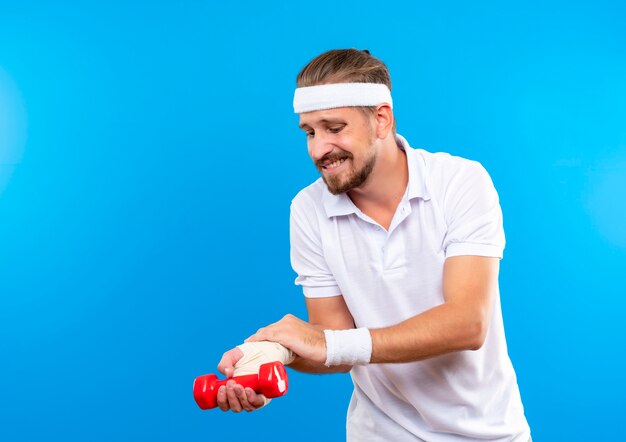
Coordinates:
(397, 250)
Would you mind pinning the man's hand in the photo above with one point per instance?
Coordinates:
(233, 396)
(304, 339)
(229, 359)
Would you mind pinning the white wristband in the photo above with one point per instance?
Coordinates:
(348, 347)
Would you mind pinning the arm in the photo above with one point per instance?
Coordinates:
(325, 313)
(460, 323)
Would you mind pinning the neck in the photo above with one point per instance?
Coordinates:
(382, 191)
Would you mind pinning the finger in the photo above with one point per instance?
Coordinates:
(291, 318)
(263, 334)
(243, 398)
(254, 399)
(228, 361)
(225, 363)
(255, 337)
(233, 400)
(222, 400)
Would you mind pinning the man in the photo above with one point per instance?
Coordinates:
(397, 250)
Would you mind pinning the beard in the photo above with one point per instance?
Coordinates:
(348, 179)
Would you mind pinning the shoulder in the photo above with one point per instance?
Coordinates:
(445, 173)
(311, 194)
(310, 198)
(444, 166)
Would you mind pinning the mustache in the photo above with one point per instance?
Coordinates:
(333, 156)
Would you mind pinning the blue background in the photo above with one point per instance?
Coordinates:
(149, 153)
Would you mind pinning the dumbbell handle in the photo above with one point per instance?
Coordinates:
(250, 380)
(271, 382)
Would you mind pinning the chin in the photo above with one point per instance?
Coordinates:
(334, 188)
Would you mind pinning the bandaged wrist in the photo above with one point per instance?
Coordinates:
(258, 353)
(348, 347)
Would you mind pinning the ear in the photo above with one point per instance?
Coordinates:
(384, 120)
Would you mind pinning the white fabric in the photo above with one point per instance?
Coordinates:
(348, 347)
(256, 354)
(450, 208)
(330, 96)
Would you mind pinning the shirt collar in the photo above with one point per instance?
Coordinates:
(338, 205)
(417, 170)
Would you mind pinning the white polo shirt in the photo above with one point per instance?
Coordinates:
(450, 208)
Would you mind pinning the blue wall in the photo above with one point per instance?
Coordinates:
(148, 156)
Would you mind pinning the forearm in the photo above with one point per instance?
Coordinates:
(443, 329)
(308, 366)
(460, 323)
(312, 367)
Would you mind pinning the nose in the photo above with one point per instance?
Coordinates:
(319, 146)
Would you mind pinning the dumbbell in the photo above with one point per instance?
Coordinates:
(271, 382)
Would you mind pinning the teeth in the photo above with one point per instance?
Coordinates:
(334, 164)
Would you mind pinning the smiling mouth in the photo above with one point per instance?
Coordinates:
(334, 164)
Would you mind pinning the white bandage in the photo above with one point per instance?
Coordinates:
(348, 347)
(256, 354)
(330, 96)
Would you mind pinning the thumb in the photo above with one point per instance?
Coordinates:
(229, 359)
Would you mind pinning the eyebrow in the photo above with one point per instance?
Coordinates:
(325, 121)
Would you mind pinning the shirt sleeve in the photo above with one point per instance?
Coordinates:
(307, 254)
(473, 214)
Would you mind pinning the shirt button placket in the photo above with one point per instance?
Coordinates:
(381, 239)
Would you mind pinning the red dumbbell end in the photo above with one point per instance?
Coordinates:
(204, 391)
(273, 380)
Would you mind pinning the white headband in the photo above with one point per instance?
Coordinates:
(330, 96)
